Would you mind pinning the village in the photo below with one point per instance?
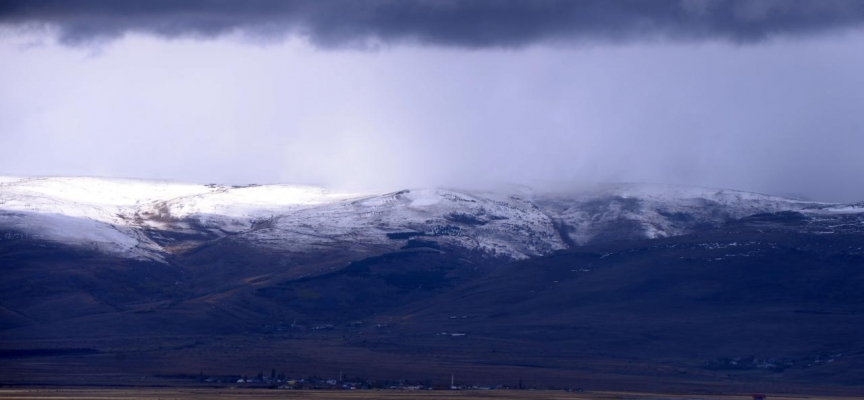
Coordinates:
(279, 381)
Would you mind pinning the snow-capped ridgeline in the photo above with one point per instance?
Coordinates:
(90, 212)
(136, 218)
(656, 210)
(234, 209)
(513, 228)
(111, 214)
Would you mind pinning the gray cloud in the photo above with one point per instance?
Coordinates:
(461, 23)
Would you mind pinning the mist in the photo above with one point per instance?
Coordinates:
(777, 115)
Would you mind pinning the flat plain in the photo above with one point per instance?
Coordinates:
(203, 393)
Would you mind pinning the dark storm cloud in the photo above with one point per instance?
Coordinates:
(462, 23)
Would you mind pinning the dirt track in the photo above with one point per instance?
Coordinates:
(166, 394)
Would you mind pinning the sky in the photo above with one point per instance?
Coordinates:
(759, 95)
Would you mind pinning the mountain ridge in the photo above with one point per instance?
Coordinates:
(151, 219)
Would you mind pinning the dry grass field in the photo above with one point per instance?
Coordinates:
(239, 394)
(654, 318)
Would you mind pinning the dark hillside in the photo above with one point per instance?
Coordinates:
(770, 299)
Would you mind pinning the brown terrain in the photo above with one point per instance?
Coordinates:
(759, 305)
(142, 394)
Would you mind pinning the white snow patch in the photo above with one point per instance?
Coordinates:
(8, 179)
(843, 209)
(111, 214)
(424, 199)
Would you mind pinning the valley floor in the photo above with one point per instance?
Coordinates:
(142, 394)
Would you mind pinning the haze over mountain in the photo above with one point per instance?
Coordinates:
(755, 95)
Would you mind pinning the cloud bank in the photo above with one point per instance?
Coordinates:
(459, 23)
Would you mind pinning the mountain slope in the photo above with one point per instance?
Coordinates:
(155, 220)
(766, 302)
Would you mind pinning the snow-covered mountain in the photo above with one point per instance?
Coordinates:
(151, 219)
